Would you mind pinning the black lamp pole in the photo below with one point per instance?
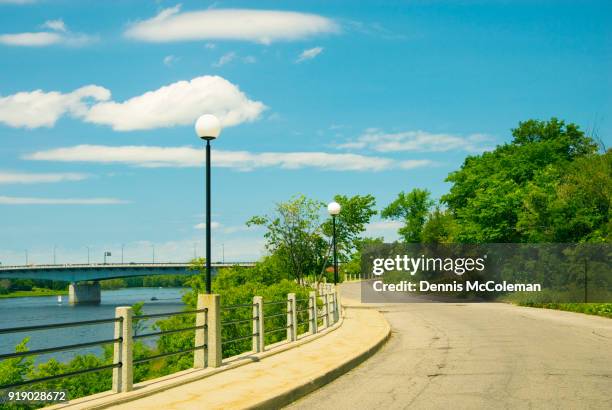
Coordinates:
(208, 244)
(335, 251)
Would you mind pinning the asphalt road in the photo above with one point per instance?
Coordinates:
(478, 356)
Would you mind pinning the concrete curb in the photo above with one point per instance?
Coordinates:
(309, 386)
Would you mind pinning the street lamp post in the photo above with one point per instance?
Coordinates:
(208, 128)
(122, 246)
(334, 209)
(87, 254)
(54, 254)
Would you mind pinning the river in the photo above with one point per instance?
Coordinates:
(29, 311)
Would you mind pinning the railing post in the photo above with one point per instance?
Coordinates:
(312, 312)
(336, 305)
(123, 376)
(326, 305)
(210, 336)
(330, 306)
(291, 318)
(258, 324)
(199, 356)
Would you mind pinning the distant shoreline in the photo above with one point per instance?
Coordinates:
(38, 292)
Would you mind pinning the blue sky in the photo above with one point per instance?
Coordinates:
(98, 101)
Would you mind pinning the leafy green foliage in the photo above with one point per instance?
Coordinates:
(356, 213)
(411, 208)
(491, 190)
(293, 235)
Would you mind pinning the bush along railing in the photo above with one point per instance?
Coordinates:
(286, 318)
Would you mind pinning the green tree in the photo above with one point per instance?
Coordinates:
(355, 214)
(412, 209)
(294, 235)
(489, 191)
(570, 204)
(440, 227)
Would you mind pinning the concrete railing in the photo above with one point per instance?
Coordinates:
(208, 351)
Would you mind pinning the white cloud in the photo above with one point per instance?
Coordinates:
(17, 1)
(232, 56)
(31, 39)
(225, 229)
(309, 54)
(415, 163)
(210, 46)
(213, 225)
(179, 103)
(57, 25)
(170, 60)
(420, 141)
(28, 178)
(153, 157)
(59, 34)
(225, 58)
(260, 26)
(33, 109)
(11, 200)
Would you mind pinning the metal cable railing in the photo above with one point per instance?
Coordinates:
(278, 329)
(289, 315)
(240, 338)
(231, 307)
(158, 356)
(154, 315)
(59, 348)
(58, 325)
(62, 348)
(278, 302)
(61, 376)
(240, 321)
(167, 332)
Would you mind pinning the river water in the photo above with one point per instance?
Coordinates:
(29, 311)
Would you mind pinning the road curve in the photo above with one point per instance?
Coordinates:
(479, 355)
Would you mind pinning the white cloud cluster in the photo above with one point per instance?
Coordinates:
(260, 26)
(16, 1)
(224, 229)
(154, 157)
(33, 109)
(225, 58)
(309, 54)
(12, 200)
(420, 141)
(179, 103)
(58, 34)
(31, 178)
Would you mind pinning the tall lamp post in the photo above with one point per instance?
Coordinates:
(208, 128)
(334, 209)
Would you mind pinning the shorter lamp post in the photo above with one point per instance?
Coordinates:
(334, 209)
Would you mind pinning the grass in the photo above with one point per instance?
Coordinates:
(34, 292)
(568, 300)
(598, 309)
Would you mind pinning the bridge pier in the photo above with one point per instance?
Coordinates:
(84, 293)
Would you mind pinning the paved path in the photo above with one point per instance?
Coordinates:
(471, 356)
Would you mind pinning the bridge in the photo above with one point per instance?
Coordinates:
(78, 274)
